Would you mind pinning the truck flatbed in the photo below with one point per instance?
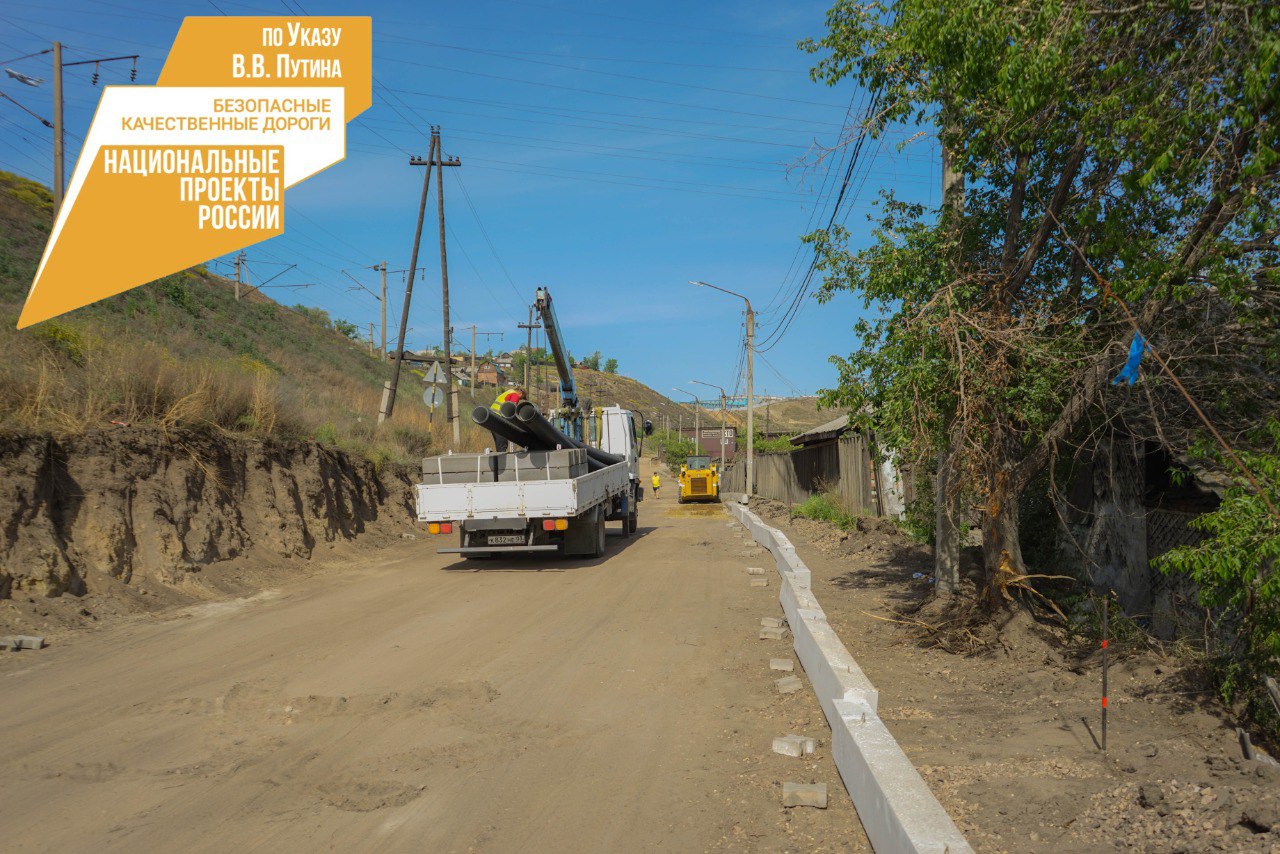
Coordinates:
(534, 498)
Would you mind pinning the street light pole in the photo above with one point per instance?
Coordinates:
(697, 423)
(723, 415)
(751, 382)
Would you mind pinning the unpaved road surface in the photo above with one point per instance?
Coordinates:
(416, 702)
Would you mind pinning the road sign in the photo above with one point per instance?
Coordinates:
(435, 374)
(433, 396)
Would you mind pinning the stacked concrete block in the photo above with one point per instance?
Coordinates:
(561, 464)
(459, 468)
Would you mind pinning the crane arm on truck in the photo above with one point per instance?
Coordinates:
(570, 414)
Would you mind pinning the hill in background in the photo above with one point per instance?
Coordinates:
(181, 351)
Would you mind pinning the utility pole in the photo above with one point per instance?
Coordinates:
(751, 398)
(370, 337)
(528, 345)
(724, 415)
(751, 381)
(383, 268)
(439, 162)
(59, 174)
(239, 261)
(389, 390)
(59, 126)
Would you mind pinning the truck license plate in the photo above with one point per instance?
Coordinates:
(506, 540)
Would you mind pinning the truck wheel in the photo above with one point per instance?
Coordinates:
(598, 551)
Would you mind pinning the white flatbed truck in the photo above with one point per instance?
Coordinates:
(531, 509)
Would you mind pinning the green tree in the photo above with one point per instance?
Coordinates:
(611, 366)
(1120, 167)
(347, 328)
(1234, 569)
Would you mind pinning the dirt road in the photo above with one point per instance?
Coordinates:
(420, 702)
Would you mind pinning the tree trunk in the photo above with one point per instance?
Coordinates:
(1001, 549)
(947, 522)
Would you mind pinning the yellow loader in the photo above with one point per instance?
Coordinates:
(699, 480)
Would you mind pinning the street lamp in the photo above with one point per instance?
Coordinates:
(751, 380)
(723, 416)
(697, 410)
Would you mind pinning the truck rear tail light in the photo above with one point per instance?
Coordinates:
(548, 524)
(446, 527)
(433, 528)
(562, 524)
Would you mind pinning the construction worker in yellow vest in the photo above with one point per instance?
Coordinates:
(515, 394)
(657, 483)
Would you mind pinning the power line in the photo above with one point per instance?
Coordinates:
(395, 38)
(581, 90)
(620, 76)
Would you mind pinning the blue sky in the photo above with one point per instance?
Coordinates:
(611, 152)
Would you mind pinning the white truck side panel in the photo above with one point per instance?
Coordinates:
(458, 502)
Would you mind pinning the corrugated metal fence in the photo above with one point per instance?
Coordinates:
(842, 466)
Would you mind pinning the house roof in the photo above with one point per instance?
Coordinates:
(833, 429)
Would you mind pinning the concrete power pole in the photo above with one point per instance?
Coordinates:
(528, 346)
(383, 268)
(59, 127)
(450, 401)
(751, 399)
(389, 390)
(59, 172)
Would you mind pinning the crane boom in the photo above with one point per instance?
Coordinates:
(568, 389)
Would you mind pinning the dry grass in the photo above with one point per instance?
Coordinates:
(68, 380)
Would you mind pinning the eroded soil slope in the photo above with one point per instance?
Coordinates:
(132, 510)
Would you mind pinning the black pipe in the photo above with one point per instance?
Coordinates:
(508, 409)
(503, 428)
(528, 416)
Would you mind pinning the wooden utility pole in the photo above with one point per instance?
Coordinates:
(370, 337)
(59, 174)
(239, 261)
(439, 162)
(389, 390)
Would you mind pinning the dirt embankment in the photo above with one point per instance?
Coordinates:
(110, 513)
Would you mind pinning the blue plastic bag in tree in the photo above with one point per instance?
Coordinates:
(1129, 373)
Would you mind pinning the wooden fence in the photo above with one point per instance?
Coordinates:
(842, 466)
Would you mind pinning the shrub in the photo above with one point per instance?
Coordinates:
(825, 507)
(1234, 569)
(64, 339)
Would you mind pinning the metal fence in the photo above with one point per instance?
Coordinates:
(843, 467)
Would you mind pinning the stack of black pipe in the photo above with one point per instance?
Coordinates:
(522, 424)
